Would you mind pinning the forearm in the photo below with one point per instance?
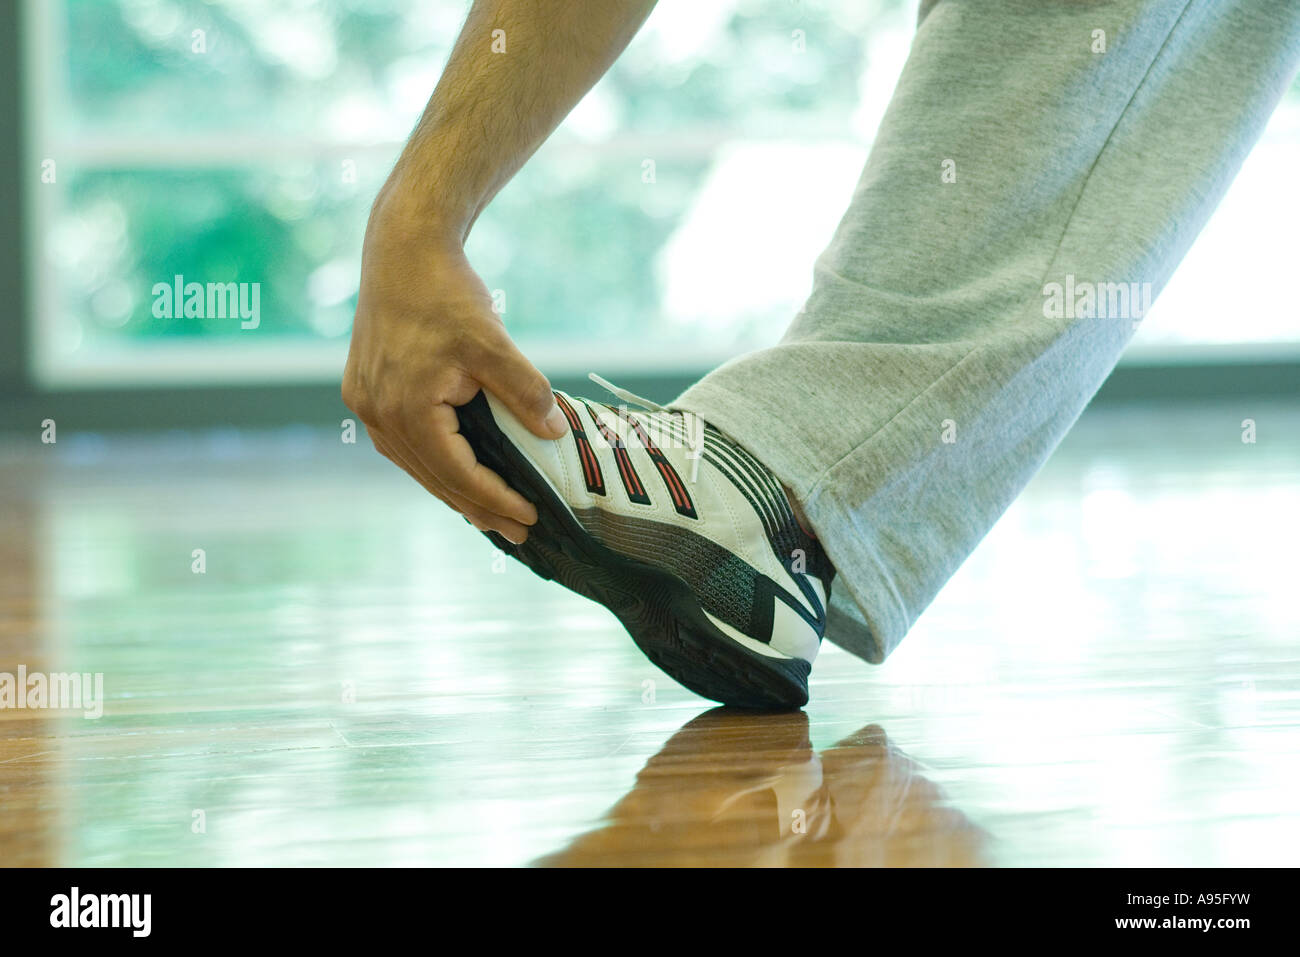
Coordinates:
(499, 98)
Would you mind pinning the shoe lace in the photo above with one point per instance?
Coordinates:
(693, 424)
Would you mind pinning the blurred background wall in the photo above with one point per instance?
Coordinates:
(237, 141)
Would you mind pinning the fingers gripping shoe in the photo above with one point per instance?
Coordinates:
(676, 529)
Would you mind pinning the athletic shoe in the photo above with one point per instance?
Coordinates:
(675, 528)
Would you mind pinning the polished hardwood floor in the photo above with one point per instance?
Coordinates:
(351, 677)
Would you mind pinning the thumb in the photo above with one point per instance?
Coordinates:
(509, 376)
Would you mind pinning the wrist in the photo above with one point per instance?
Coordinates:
(420, 212)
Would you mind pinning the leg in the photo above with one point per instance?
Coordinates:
(924, 383)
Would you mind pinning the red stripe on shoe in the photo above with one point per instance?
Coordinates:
(627, 472)
(591, 474)
(676, 489)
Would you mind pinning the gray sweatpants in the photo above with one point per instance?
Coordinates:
(1041, 162)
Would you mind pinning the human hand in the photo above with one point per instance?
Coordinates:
(424, 341)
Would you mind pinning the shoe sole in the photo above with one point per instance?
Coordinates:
(658, 609)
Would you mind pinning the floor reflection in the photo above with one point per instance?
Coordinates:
(353, 680)
(30, 818)
(742, 790)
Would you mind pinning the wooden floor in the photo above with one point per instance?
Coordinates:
(1113, 677)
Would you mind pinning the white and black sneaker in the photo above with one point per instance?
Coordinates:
(676, 529)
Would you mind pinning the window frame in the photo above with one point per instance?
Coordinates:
(302, 375)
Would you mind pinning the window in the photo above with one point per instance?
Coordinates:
(238, 143)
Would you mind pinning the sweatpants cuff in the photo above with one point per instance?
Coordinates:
(866, 616)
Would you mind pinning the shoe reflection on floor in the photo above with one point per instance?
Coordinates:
(736, 789)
